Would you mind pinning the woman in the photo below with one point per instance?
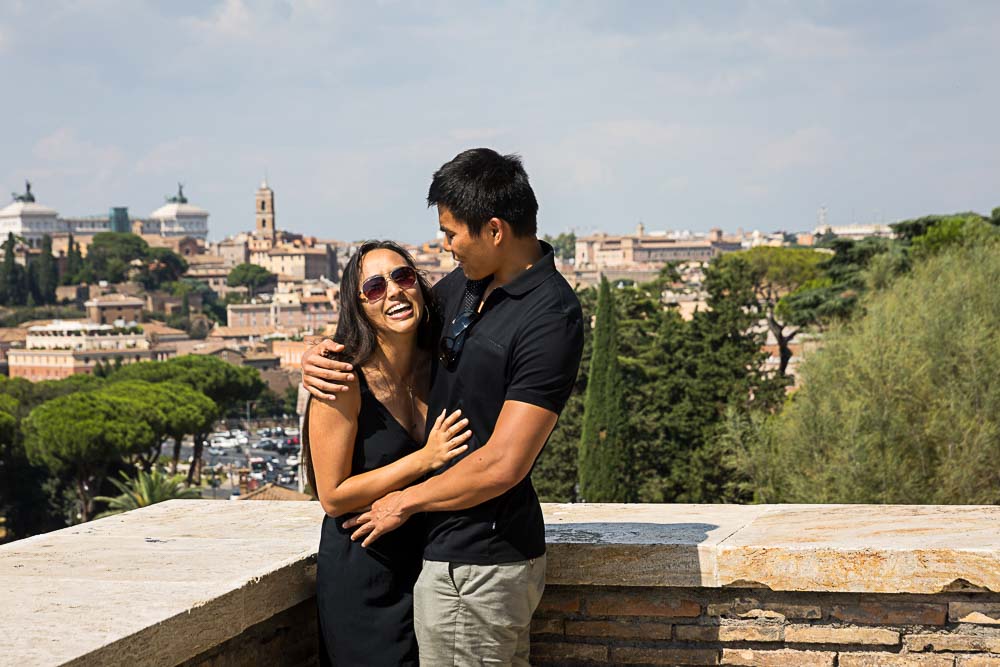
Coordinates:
(365, 445)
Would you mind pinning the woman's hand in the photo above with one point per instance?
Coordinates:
(445, 440)
(323, 377)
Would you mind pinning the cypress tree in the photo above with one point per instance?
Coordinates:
(47, 274)
(13, 284)
(604, 454)
(74, 263)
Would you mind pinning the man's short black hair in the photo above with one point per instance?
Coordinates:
(479, 184)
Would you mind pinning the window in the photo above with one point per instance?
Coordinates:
(263, 206)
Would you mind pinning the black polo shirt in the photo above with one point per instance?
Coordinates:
(525, 346)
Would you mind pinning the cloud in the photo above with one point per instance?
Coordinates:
(675, 184)
(63, 148)
(475, 134)
(61, 154)
(169, 157)
(231, 18)
(805, 40)
(755, 190)
(805, 147)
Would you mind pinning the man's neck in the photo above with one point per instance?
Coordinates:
(522, 254)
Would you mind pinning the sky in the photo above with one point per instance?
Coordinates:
(681, 115)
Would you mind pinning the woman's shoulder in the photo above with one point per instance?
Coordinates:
(347, 402)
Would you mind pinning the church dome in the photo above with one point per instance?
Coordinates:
(173, 210)
(23, 209)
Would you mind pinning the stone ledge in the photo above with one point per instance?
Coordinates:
(164, 584)
(155, 586)
(817, 548)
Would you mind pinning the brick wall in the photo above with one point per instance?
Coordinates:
(700, 626)
(289, 638)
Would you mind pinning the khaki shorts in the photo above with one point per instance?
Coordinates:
(476, 614)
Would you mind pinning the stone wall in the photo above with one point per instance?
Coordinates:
(288, 638)
(698, 626)
(217, 583)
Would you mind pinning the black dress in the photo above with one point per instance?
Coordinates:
(364, 596)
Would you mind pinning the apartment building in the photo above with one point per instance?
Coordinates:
(63, 348)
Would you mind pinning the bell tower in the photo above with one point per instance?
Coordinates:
(264, 202)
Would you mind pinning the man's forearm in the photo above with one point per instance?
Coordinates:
(503, 461)
(472, 481)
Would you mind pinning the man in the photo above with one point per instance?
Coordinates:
(510, 351)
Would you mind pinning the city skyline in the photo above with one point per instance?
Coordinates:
(745, 115)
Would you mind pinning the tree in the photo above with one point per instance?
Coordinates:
(111, 254)
(9, 467)
(145, 489)
(74, 263)
(82, 434)
(226, 385)
(903, 404)
(251, 276)
(775, 273)
(47, 274)
(845, 276)
(37, 498)
(185, 411)
(161, 265)
(564, 245)
(604, 458)
(555, 473)
(13, 276)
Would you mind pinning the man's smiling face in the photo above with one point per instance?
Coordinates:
(477, 254)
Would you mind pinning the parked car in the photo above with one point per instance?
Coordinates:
(267, 445)
(225, 443)
(292, 460)
(216, 451)
(257, 468)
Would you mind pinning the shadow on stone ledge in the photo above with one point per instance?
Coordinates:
(634, 554)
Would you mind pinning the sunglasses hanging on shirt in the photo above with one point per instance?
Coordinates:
(453, 338)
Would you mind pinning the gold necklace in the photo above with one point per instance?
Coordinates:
(411, 404)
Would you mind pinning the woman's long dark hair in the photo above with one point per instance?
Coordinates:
(356, 333)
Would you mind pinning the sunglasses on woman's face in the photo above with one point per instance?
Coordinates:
(374, 289)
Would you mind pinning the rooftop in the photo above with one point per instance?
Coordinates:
(58, 326)
(174, 210)
(112, 300)
(26, 209)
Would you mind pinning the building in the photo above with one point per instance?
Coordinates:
(289, 352)
(300, 261)
(309, 313)
(234, 250)
(265, 235)
(603, 250)
(114, 307)
(856, 232)
(213, 270)
(244, 337)
(63, 348)
(175, 218)
(30, 220)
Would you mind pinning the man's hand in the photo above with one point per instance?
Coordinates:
(386, 515)
(323, 377)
